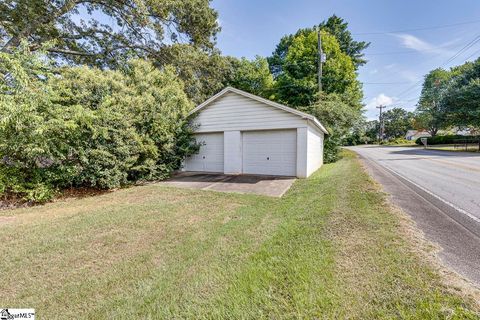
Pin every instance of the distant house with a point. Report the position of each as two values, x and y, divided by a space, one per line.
464 131
413 135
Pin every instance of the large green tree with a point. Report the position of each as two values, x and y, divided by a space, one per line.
461 101
339 119
203 73
104 31
397 121
337 27
251 75
294 66
429 114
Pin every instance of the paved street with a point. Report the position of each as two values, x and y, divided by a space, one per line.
441 192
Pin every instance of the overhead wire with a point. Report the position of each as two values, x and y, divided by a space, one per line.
473 54
475 40
469 45
407 51
418 29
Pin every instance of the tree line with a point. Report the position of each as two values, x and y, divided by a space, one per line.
449 102
450 98
97 93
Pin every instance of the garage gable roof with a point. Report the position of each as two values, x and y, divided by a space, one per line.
262 100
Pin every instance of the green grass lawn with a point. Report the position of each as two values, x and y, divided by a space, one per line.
329 249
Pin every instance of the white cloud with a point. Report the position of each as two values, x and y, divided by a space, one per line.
412 42
371 111
381 99
374 71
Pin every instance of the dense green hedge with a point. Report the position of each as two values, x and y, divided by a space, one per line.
448 139
88 127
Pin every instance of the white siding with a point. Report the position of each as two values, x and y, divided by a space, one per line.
314 149
232 152
236 112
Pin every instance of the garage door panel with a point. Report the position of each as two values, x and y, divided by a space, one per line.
210 156
271 152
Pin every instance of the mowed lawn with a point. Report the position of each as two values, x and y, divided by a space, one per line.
329 249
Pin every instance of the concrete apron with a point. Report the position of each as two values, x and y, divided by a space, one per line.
272 186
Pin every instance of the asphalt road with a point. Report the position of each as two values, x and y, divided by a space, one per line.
441 191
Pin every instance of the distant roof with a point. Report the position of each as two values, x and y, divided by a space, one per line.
260 99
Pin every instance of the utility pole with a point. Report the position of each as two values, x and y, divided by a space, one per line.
320 60
382 125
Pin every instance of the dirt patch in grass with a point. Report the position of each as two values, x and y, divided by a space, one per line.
6 220
9 202
13 201
80 193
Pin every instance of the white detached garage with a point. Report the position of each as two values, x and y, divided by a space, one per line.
242 133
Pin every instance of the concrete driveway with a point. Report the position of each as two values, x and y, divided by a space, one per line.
273 186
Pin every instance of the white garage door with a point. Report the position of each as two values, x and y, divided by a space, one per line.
270 152
210 157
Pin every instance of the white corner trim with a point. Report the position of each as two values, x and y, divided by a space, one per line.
262 100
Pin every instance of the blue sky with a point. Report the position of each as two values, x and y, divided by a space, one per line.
397 60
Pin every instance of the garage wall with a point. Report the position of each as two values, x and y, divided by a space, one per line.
233 112
302 150
314 149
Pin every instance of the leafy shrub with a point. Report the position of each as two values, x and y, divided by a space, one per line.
339 117
448 139
331 149
82 126
396 141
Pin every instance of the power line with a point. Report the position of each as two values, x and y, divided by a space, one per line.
473 54
407 51
408 100
418 29
465 48
385 83
394 52
456 55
